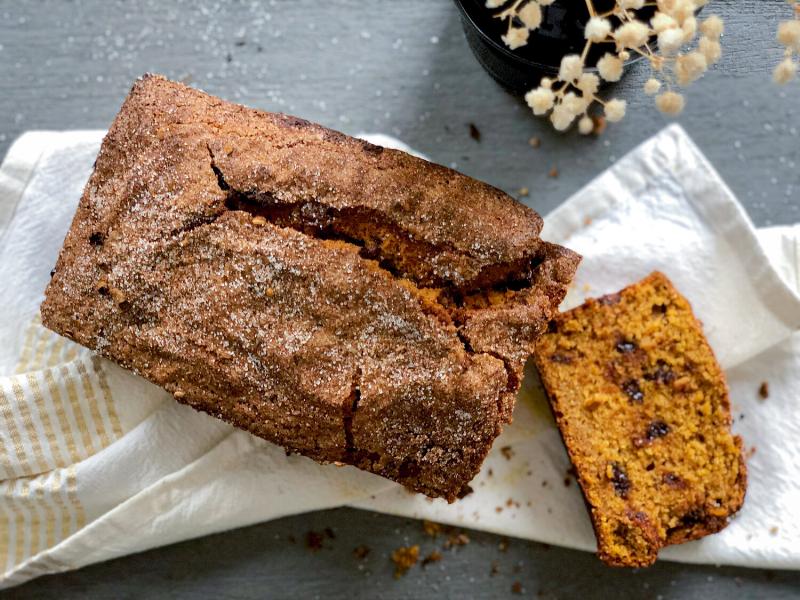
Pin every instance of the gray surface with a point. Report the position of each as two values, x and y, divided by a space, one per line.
401 67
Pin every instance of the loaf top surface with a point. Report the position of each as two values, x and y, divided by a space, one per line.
340 299
286 161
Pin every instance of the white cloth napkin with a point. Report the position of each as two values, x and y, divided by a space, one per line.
97 463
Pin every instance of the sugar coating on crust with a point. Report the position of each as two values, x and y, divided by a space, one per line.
643 408
349 302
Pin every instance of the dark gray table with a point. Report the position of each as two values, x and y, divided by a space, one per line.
400 67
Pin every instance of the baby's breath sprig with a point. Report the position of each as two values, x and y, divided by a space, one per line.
523 16
686 48
789 37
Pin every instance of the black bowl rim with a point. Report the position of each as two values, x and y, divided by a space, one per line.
516 58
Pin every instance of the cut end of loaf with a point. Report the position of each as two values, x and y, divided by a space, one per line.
643 408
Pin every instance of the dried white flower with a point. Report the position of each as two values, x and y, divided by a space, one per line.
670 40
690 67
785 71
571 67
540 100
585 125
516 37
651 86
610 67
712 27
615 110
689 29
661 22
562 117
574 103
789 34
588 83
632 34
597 29
682 10
531 15
711 49
670 103
522 16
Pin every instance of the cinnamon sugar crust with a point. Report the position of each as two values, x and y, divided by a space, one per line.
349 302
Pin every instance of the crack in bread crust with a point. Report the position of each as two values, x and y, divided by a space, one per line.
507 284
303 338
385 240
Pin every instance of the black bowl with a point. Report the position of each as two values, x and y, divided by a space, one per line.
560 33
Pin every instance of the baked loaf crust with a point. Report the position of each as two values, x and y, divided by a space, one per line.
643 409
351 303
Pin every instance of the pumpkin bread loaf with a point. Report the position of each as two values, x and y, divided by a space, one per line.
349 302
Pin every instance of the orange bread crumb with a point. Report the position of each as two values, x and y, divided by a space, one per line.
643 409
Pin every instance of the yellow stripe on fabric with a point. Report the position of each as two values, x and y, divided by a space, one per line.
61 416
34 528
23 532
41 347
36 516
72 352
99 367
47 424
27 349
94 409
41 514
55 351
53 511
5 461
72 496
6 517
10 426
77 413
24 408
57 491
